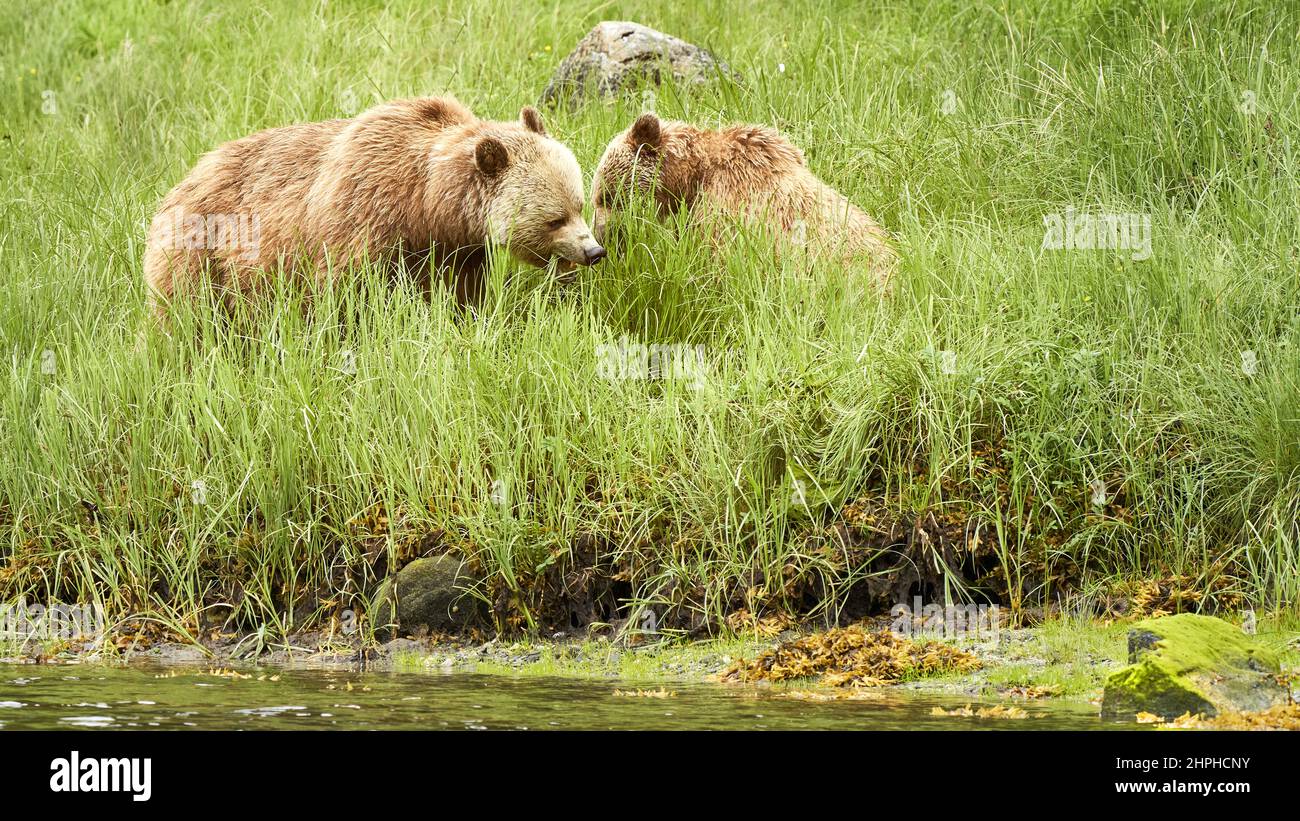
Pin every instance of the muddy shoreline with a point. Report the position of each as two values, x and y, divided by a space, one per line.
561 655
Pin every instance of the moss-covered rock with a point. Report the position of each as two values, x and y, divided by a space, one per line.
1193 664
616 57
428 595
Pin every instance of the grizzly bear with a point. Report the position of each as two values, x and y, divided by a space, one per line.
422 182
749 173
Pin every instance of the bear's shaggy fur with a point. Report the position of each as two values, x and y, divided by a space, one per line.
420 181
748 172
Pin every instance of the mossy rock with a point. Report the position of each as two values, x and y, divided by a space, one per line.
1193 664
616 57
428 595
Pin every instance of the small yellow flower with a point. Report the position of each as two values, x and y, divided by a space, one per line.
546 48
33 72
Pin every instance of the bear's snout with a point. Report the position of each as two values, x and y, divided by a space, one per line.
576 245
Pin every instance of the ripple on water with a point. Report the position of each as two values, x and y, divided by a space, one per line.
87 721
267 712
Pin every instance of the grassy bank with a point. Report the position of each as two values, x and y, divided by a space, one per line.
1015 423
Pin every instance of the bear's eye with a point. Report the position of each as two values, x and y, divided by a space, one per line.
557 224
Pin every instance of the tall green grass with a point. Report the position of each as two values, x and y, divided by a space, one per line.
999 384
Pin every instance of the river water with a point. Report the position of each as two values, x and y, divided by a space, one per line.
126 697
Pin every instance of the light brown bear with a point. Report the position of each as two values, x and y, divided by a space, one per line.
748 173
422 181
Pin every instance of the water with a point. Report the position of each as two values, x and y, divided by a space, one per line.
127 697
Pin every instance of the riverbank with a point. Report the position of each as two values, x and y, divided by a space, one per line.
1060 661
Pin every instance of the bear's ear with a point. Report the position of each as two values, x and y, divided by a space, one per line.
490 156
532 120
645 132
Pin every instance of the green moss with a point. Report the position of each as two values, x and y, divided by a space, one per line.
1190 642
1074 680
690 661
1149 686
1189 664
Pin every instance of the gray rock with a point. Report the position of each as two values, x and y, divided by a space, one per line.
618 56
430 595
396 646
181 654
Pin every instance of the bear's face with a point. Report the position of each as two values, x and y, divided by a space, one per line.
634 164
536 197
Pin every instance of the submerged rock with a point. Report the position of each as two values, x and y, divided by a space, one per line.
1193 664
430 595
618 56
